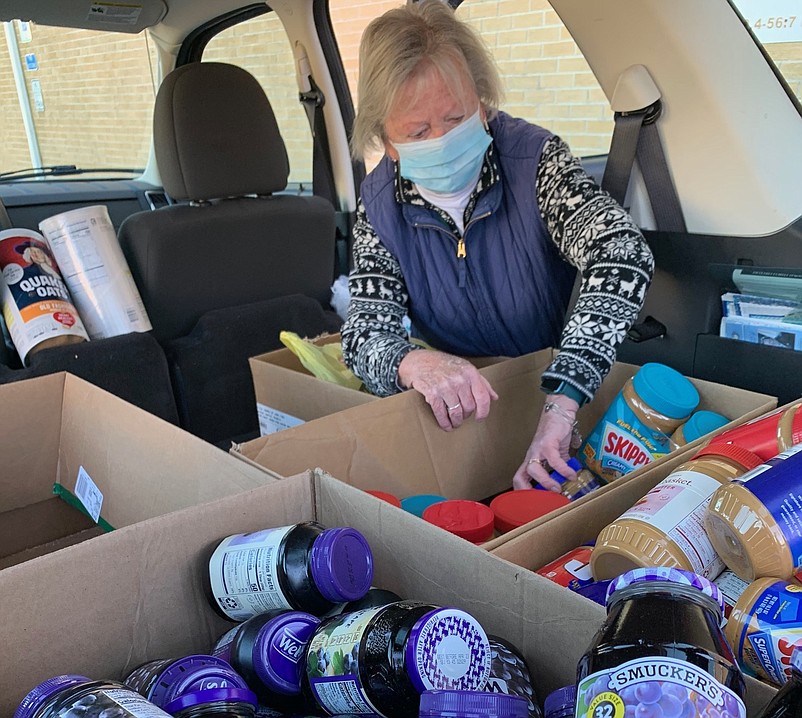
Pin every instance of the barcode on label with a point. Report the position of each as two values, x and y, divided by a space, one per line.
87 492
133 315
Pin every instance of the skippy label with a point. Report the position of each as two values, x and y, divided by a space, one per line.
676 506
333 664
243 572
655 686
621 443
767 648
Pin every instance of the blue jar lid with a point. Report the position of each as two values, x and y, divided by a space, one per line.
701 423
560 700
418 503
471 704
210 696
45 691
193 673
665 390
447 649
672 575
279 652
342 564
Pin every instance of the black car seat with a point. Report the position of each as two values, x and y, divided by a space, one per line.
222 272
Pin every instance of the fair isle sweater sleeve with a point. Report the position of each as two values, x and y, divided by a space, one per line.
596 235
374 340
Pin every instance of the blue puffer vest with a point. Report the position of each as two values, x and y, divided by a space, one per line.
508 295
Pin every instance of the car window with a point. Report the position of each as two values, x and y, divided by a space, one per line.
777 25
89 96
546 79
260 46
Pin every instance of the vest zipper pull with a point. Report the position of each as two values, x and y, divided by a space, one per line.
461 253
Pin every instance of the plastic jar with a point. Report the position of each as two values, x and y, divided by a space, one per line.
637 426
302 567
571 570
379 661
560 703
471 704
75 695
666 527
698 425
418 503
662 625
787 702
764 627
467 519
584 482
754 523
269 652
768 435
163 681
509 674
517 508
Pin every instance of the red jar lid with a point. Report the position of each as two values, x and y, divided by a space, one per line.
384 496
516 508
744 457
468 519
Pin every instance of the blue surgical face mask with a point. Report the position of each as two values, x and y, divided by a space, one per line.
449 162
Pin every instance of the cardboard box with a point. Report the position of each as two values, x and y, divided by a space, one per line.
288 395
538 546
64 438
396 446
103 607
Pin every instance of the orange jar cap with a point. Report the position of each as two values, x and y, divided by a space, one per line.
516 508
468 519
748 459
384 496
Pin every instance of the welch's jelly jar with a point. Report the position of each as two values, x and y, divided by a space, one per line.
304 567
378 661
71 695
269 652
660 652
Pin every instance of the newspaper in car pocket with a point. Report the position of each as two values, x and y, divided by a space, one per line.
750 306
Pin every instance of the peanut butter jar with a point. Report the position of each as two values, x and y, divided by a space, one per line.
755 524
665 528
636 429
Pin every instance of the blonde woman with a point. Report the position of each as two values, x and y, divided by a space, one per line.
474 224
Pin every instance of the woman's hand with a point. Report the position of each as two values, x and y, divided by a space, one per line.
452 386
549 446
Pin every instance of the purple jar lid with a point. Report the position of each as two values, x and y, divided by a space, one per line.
472 704
672 575
559 700
447 649
45 691
193 673
279 652
211 695
342 564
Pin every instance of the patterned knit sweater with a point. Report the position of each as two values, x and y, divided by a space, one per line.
591 231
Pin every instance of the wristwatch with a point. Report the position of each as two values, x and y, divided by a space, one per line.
554 386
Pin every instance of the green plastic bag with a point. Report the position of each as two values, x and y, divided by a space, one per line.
325 362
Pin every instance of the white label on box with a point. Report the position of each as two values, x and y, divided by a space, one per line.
272 420
87 492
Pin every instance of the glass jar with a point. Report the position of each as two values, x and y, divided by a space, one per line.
660 646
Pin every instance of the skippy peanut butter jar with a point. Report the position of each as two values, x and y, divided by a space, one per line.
755 523
637 426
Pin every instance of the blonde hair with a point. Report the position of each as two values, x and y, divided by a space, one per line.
401 42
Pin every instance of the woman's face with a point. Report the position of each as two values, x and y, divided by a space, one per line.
427 107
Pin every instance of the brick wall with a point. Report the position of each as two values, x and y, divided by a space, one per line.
98 92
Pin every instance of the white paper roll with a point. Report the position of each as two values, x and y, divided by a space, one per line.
85 246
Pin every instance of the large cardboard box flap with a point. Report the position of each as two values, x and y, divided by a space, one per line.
75 451
103 607
395 445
